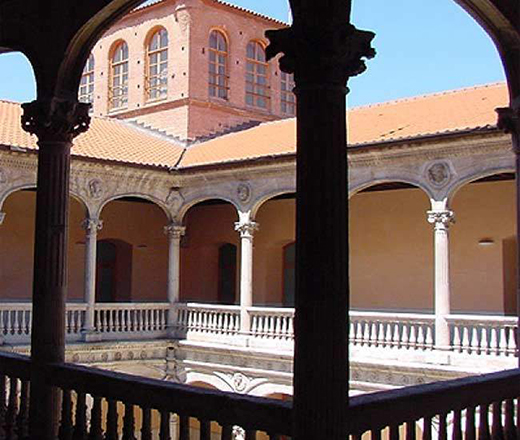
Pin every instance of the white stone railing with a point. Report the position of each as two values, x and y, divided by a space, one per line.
483 334
272 323
397 330
131 320
16 321
207 319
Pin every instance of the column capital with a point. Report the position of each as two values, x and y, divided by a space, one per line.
174 230
441 219
246 228
321 55
55 119
2 217
92 225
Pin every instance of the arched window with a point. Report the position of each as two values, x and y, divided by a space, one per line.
227 273
157 67
218 77
86 86
113 271
289 274
287 99
257 80
118 89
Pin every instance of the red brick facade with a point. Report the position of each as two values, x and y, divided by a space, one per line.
187 111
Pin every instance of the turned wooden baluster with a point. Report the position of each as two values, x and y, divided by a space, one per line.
457 425
3 396
184 427
410 430
96 433
112 427
66 429
129 423
510 431
80 427
12 409
443 427
164 433
227 433
427 428
483 427
497 432
205 430
22 421
470 424
146 427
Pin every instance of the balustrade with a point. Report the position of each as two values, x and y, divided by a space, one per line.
100 404
209 319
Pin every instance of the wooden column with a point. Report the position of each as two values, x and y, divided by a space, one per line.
56 122
323 51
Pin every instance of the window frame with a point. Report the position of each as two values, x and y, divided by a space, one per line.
287 85
216 75
255 85
148 77
87 88
123 97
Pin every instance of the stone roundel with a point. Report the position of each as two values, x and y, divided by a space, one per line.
438 174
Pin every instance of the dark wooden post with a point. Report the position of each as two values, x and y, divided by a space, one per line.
322 50
56 122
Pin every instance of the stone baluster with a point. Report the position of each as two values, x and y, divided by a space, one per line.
441 220
174 233
246 227
91 226
323 50
55 122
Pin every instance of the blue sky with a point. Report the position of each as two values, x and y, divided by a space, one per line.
423 46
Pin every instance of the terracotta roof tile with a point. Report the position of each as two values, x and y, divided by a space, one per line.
106 139
459 110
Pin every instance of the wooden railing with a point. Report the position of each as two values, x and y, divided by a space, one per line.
481 407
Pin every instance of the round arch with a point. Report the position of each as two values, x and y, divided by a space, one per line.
207 380
259 202
418 184
151 32
269 389
145 197
196 201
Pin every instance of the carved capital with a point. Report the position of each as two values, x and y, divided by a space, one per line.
92 225
2 217
246 228
55 120
321 55
441 219
173 230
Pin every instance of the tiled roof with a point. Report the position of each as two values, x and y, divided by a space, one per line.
119 141
106 139
150 3
441 113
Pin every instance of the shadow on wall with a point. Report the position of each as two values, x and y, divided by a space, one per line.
509 258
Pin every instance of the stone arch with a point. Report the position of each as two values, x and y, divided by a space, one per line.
260 201
145 197
269 389
418 183
207 380
195 201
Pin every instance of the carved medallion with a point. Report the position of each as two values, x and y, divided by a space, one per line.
240 382
438 174
95 188
243 192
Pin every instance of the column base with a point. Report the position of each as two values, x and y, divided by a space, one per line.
91 336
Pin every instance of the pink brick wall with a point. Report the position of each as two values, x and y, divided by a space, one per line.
188 111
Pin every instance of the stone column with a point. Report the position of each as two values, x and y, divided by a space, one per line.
55 122
322 50
246 227
91 226
174 233
441 221
509 121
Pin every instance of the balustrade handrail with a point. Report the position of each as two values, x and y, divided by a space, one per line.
482 319
203 306
131 306
392 408
271 310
